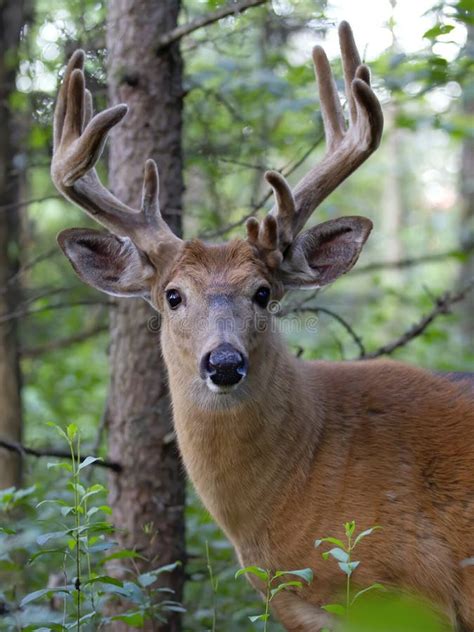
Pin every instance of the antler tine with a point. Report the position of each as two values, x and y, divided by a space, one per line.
346 149
76 61
350 63
331 110
79 139
284 210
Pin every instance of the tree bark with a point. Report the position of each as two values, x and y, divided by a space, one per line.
148 497
467 199
12 19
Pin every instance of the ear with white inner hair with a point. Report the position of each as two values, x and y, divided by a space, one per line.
111 264
321 254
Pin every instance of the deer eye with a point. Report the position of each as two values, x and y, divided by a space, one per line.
262 296
174 298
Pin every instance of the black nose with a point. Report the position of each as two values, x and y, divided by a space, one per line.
224 365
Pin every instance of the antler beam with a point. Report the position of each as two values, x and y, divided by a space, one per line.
78 141
346 148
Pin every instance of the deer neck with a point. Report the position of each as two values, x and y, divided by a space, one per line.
240 457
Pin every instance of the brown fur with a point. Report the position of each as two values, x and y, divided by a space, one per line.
305 446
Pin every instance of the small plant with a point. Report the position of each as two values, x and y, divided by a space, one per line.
272 588
214 586
343 554
80 547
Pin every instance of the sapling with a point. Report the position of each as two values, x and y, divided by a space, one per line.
272 588
342 553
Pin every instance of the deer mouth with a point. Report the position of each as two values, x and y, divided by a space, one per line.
221 389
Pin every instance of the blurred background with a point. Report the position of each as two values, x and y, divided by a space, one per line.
250 104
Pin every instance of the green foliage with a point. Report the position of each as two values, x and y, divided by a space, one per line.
374 608
250 106
272 587
75 554
342 553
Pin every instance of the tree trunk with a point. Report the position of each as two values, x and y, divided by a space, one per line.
467 199
148 497
12 19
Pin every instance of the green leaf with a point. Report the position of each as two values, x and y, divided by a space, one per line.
71 430
329 541
335 608
304 573
364 534
104 579
338 554
65 511
259 617
62 465
349 528
366 590
135 619
38 594
45 537
88 461
284 586
91 491
42 627
261 573
437 30
121 555
348 567
98 547
38 554
61 503
146 579
7 531
58 429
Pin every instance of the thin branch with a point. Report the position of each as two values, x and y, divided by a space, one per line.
14 205
31 312
324 310
234 8
257 206
14 446
61 343
442 307
412 261
30 264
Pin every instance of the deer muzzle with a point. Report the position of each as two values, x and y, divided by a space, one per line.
224 367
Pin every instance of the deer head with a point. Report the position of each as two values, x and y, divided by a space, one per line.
213 298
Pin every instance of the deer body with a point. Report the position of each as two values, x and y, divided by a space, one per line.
283 451
312 444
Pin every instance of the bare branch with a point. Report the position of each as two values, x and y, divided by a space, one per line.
256 207
324 310
410 262
14 446
61 343
30 264
442 306
31 312
234 8
15 205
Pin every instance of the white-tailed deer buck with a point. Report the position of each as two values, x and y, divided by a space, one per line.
283 451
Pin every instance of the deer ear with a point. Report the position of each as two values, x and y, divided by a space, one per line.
323 253
108 263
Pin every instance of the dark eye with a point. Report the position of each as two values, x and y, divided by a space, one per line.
174 298
262 296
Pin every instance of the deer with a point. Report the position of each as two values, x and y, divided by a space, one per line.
282 450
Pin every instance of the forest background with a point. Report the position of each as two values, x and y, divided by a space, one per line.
222 91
